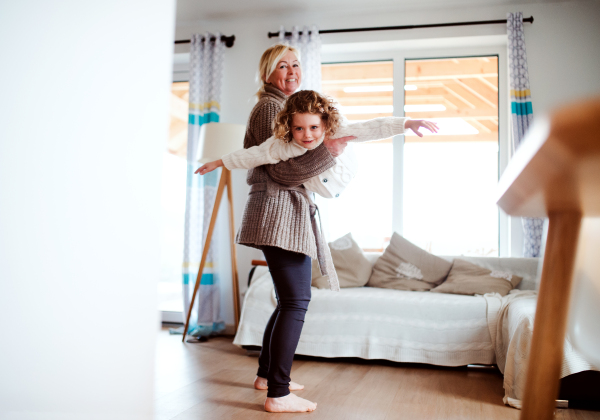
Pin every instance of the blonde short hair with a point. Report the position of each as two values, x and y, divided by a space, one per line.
269 61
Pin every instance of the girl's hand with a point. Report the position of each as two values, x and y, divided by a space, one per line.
414 125
209 167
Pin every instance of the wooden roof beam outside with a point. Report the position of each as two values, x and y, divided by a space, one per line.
453 92
489 84
481 137
448 77
480 126
465 113
386 80
434 68
491 100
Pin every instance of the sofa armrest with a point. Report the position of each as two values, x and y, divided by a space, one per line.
255 263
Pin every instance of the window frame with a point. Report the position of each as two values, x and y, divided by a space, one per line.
510 234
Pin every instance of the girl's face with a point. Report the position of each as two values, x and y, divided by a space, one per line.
307 129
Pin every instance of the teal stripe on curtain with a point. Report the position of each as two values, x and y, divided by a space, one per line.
196 119
206 278
521 108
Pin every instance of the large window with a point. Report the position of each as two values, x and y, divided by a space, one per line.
449 179
364 91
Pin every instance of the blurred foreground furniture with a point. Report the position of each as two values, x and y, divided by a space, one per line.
556 174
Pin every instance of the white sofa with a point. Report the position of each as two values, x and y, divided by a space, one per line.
374 323
420 327
512 319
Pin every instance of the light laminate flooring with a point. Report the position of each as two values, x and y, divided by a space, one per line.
213 380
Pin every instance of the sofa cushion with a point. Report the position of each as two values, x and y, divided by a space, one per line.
405 266
466 278
352 266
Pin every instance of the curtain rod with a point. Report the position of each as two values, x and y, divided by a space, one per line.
228 40
389 28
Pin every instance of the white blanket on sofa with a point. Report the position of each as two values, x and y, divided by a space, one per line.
511 332
372 323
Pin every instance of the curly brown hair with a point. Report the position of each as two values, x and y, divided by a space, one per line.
306 102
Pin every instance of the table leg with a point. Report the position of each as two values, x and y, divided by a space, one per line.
545 357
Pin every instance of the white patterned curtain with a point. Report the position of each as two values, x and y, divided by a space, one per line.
308 41
521 116
206 73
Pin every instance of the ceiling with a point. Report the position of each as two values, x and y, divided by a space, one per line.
203 10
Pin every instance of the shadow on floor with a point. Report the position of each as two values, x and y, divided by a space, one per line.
218 381
239 404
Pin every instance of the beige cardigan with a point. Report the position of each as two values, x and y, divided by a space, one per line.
274 215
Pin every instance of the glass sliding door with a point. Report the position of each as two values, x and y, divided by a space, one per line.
364 90
450 178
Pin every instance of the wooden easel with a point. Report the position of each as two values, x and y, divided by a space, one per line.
225 181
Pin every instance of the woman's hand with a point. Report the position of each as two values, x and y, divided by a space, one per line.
209 167
414 125
336 146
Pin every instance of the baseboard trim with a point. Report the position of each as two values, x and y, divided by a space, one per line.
170 317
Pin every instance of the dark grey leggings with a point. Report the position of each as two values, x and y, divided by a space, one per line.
291 274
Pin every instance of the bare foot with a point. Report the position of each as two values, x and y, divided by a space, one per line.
261 383
291 403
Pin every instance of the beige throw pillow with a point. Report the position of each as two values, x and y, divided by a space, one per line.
352 267
405 266
470 279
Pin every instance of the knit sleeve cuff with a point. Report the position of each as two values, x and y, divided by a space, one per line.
228 162
398 125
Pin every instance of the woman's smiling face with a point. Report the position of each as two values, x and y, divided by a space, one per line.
307 129
287 74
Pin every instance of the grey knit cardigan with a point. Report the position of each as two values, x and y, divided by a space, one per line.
279 217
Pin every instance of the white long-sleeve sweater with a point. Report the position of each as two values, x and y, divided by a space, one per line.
274 150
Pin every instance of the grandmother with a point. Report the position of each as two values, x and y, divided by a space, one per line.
279 220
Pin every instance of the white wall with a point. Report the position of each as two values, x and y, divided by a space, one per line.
563 46
80 163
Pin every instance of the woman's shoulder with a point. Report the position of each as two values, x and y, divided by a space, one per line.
265 110
267 103
270 98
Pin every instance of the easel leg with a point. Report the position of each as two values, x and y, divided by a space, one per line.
545 357
211 228
234 272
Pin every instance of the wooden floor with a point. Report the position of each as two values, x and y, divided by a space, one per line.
213 380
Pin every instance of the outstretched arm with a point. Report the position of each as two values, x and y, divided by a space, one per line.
373 129
272 151
383 128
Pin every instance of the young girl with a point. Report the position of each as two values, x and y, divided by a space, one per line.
305 120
